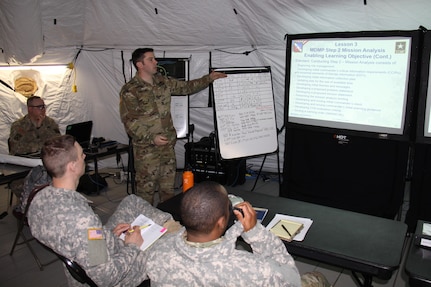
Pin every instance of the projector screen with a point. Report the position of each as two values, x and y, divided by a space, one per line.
362 82
424 107
177 68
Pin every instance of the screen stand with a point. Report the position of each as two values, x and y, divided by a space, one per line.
278 169
131 172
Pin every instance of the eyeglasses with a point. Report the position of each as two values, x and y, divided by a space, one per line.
40 107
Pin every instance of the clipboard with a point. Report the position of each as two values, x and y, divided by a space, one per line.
286 229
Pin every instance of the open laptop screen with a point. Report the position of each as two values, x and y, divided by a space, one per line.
81 132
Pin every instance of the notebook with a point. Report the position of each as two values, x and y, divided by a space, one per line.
81 132
286 229
305 222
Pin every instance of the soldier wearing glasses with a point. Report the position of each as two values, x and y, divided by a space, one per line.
28 134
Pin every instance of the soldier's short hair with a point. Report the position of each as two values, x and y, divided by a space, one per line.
138 54
202 205
57 152
31 99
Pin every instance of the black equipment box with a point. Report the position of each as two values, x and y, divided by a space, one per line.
208 165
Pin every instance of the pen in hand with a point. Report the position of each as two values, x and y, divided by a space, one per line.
285 229
144 226
140 227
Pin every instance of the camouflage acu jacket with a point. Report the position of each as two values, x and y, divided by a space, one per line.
63 220
26 138
177 263
145 108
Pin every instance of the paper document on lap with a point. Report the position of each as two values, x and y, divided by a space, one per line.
150 230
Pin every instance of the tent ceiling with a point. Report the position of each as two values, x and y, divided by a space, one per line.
112 23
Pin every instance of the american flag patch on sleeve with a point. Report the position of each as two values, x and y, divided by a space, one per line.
95 234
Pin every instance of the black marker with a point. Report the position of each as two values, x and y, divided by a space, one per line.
285 229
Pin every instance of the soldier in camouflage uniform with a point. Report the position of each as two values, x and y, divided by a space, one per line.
28 133
62 219
201 256
145 103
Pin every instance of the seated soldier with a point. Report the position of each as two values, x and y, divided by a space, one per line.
28 133
61 218
200 255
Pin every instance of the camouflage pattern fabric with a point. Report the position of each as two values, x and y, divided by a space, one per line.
26 138
155 170
16 186
314 279
63 220
38 176
177 263
145 113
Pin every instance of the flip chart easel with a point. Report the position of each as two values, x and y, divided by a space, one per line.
244 113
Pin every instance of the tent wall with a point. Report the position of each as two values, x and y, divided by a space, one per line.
99 78
228 33
21 24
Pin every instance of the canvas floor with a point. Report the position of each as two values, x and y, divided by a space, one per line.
21 269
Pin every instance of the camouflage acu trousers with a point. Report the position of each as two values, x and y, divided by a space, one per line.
155 171
130 207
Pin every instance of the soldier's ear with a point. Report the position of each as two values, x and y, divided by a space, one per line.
72 165
139 64
221 224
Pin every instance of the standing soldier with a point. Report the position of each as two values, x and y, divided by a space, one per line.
145 103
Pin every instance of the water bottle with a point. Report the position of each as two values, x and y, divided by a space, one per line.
188 180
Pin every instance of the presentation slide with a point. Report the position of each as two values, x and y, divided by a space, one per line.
349 83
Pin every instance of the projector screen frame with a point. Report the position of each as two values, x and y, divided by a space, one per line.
424 101
409 114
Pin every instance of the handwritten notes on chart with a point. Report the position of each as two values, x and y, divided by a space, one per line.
245 115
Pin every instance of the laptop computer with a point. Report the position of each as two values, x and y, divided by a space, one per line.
81 132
